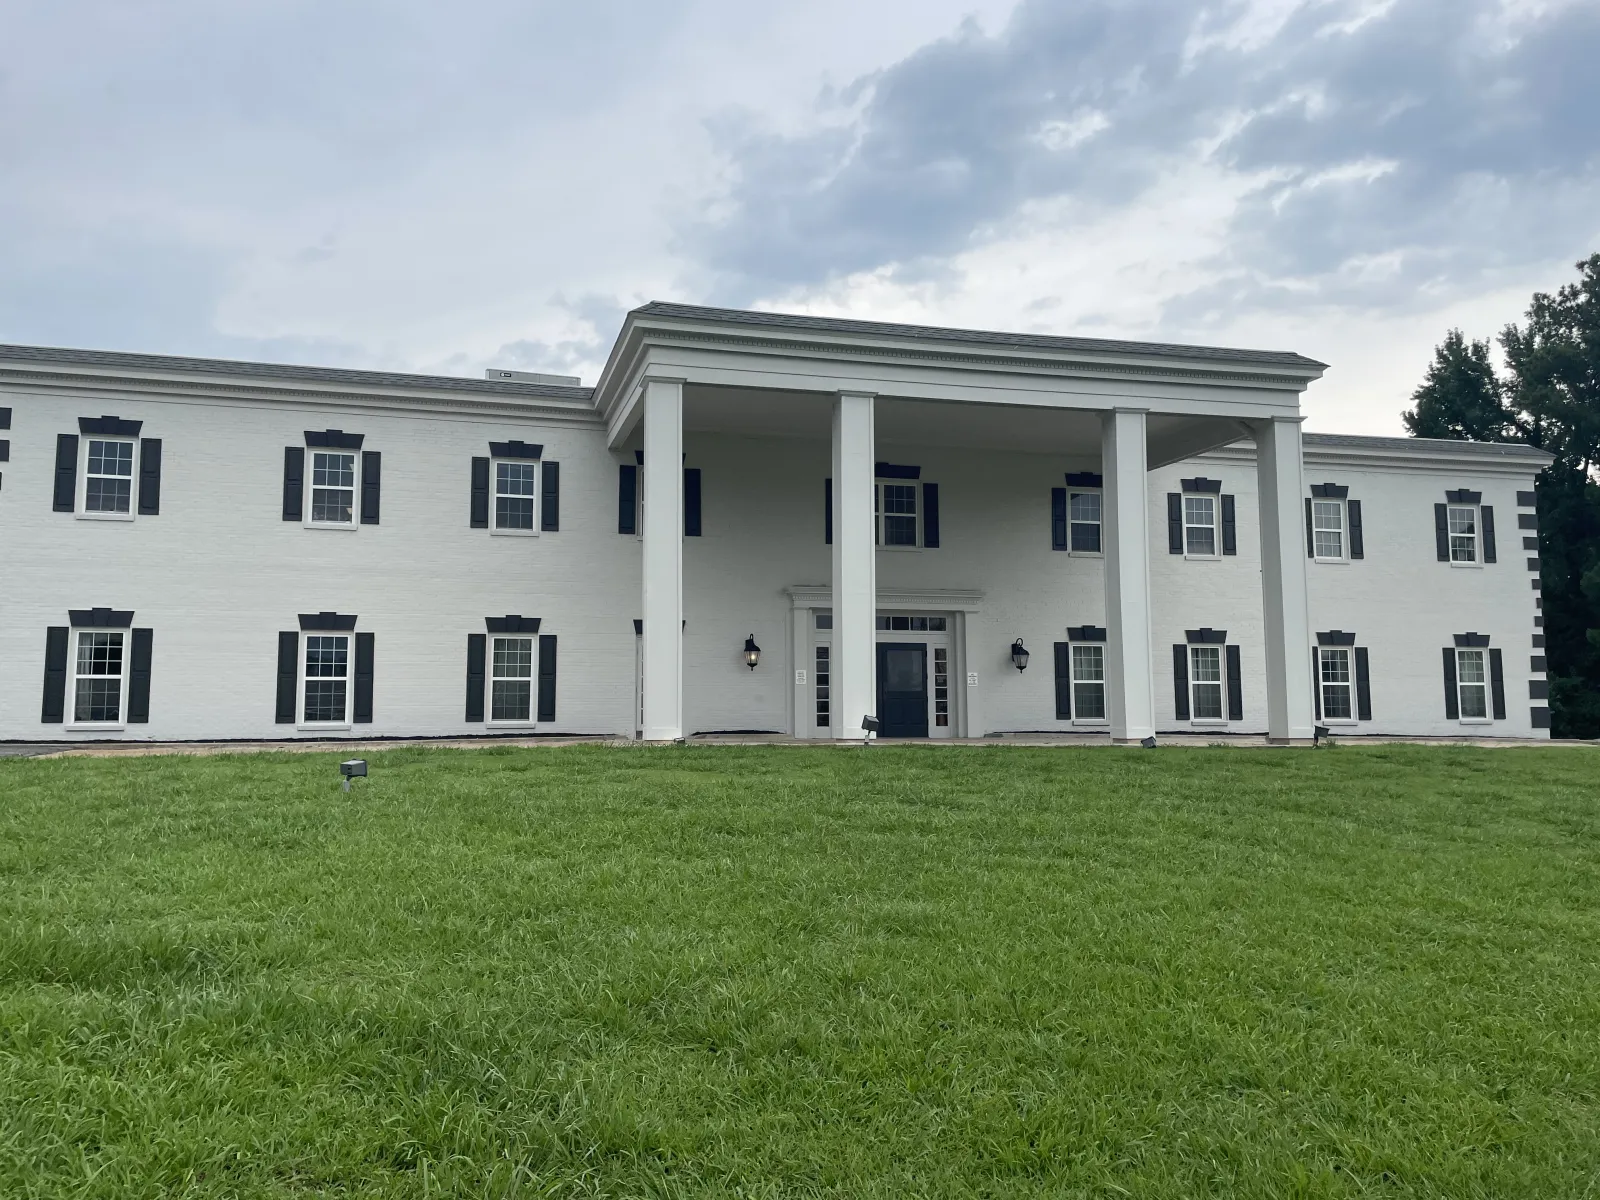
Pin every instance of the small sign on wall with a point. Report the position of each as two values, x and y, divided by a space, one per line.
799 679
972 679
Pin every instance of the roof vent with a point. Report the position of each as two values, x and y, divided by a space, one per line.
499 376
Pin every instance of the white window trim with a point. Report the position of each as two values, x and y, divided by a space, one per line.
1343 531
355 493
1487 685
81 507
538 501
1322 697
1477 536
1221 683
1215 526
878 514
349 681
531 721
71 721
1101 523
1073 681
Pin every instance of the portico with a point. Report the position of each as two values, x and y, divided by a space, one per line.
866 390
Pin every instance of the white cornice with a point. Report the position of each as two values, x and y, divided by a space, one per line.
820 595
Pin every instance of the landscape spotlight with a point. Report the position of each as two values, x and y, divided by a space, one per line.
752 652
1019 655
1318 732
1148 743
871 726
354 768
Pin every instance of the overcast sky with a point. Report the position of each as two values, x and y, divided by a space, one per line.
415 185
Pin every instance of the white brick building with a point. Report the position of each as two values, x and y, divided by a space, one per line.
198 549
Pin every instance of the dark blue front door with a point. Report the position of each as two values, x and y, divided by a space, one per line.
903 689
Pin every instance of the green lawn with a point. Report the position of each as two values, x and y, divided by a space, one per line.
770 972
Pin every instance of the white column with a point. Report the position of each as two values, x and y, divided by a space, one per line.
1279 476
663 560
801 623
853 680
1130 691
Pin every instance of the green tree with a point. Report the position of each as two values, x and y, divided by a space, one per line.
1549 397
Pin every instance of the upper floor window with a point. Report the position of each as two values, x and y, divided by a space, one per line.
895 505
333 487
1462 522
515 492
1083 512
1200 525
108 476
1328 530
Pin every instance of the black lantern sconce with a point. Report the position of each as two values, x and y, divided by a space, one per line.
752 652
1019 655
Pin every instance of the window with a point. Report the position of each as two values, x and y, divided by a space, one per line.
108 477
1200 525
1335 682
511 681
1327 529
909 624
1205 682
1472 682
333 488
97 676
824 620
1089 682
514 483
941 687
1463 526
896 507
327 659
824 658
1083 510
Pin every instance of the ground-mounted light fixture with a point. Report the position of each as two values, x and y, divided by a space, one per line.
752 652
355 768
1319 732
1148 743
869 726
1019 655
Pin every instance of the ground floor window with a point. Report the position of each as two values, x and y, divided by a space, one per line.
1472 684
1205 682
824 661
1335 682
511 684
327 677
1089 682
97 676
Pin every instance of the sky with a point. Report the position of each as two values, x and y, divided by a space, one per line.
417 186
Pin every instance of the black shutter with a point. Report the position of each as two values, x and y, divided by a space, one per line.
1488 533
364 656
479 517
288 674
1452 709
827 511
1316 681
1311 533
1180 682
150 477
139 677
54 709
1230 535
1358 548
477 644
691 502
1235 685
1441 531
371 483
930 516
1497 685
66 472
1174 523
547 677
550 500
1363 686
1063 680
294 480
1058 518
627 498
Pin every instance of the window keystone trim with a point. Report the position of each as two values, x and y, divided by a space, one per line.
327 622
100 618
511 624
1472 641
1202 484
1206 636
1330 491
109 426
334 439
515 449
1336 637
885 470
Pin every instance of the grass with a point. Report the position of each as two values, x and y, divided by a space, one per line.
754 972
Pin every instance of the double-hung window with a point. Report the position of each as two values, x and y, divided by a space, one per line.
895 505
515 495
511 682
1083 513
1462 522
98 677
1472 684
327 678
1205 683
1328 530
1089 681
1200 525
1333 663
333 488
108 476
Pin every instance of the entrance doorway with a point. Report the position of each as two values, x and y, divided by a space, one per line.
903 689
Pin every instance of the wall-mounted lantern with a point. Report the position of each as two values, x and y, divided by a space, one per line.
752 652
1019 655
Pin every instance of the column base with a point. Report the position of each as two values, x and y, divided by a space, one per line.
1306 742
1130 741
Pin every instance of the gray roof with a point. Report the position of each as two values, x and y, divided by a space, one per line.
1409 445
170 364
1013 341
